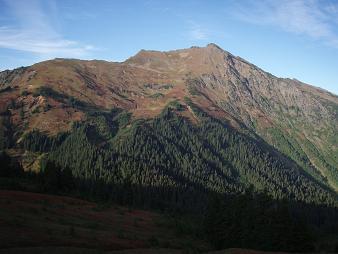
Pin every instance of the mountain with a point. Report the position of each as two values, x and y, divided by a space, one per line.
193 120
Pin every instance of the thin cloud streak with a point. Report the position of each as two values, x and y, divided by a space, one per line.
36 34
304 17
196 32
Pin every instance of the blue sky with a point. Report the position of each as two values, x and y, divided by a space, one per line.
290 38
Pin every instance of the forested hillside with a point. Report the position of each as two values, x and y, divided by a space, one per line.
247 195
299 120
177 131
169 152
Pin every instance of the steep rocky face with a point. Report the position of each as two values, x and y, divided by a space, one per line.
301 121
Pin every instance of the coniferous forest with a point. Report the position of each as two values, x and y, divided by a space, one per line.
245 192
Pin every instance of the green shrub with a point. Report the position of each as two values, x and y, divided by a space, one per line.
24 93
157 96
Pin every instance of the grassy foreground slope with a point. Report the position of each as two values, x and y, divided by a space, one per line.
40 223
41 220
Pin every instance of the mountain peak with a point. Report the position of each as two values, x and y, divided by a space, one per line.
152 53
50 95
196 59
214 46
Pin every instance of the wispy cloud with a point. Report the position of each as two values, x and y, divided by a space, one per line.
307 17
36 31
197 32
194 30
157 6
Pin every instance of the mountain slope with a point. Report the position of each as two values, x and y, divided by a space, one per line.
185 93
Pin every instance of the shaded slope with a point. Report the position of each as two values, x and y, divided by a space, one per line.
59 224
178 159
